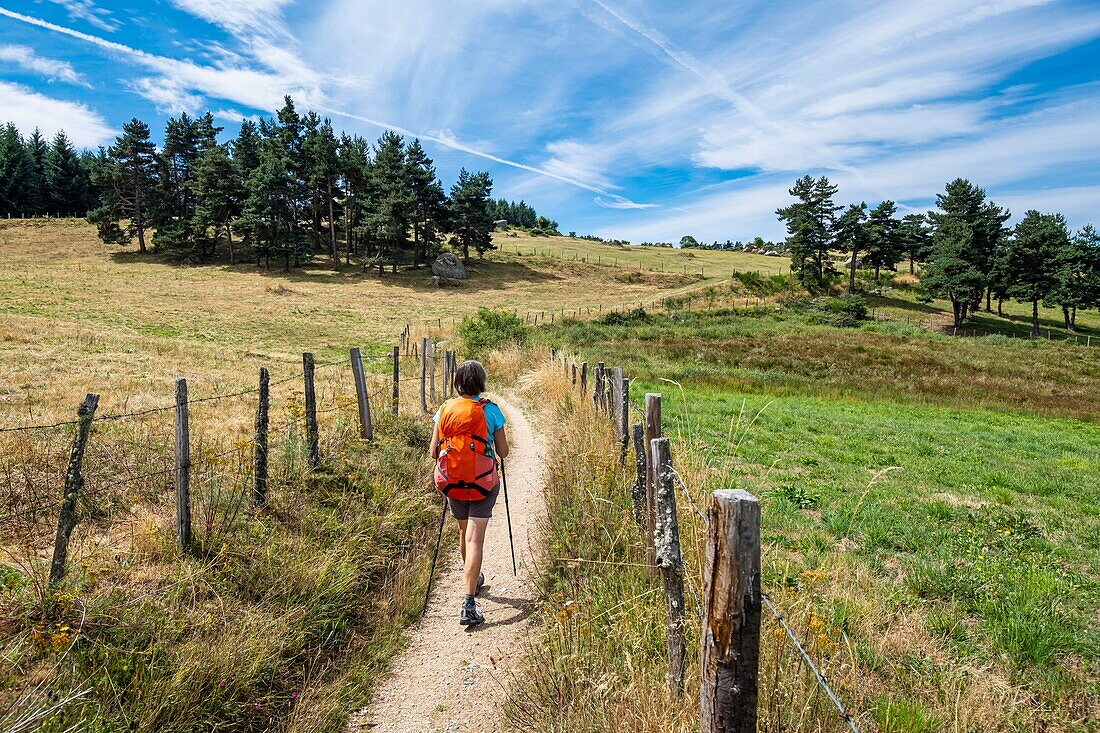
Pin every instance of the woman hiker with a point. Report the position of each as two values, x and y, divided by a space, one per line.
468 438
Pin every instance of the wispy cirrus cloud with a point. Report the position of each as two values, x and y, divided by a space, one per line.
89 12
50 69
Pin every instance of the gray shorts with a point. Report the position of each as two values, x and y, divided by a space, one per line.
481 509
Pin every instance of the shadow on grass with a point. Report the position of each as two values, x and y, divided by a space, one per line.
484 274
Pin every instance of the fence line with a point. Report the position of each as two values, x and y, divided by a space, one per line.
183 464
729 608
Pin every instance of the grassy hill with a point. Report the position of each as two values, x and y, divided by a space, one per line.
928 517
282 616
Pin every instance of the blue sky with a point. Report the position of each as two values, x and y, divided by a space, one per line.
641 120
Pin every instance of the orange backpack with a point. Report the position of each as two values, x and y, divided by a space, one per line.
465 470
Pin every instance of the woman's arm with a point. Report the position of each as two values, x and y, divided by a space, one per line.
500 443
435 442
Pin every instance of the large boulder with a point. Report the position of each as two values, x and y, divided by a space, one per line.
448 265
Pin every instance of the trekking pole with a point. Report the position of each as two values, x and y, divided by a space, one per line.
438 542
508 515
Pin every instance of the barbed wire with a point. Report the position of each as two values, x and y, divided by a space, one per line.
150 411
845 716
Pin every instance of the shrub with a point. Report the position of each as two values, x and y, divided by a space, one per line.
846 311
638 315
490 329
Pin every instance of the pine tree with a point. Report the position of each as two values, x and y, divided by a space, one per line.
471 217
1031 258
127 182
319 150
37 189
810 226
16 173
916 239
851 236
952 271
429 203
387 221
884 245
185 141
1076 275
246 159
966 202
65 181
354 161
218 192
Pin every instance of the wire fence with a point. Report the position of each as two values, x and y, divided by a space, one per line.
624 410
112 465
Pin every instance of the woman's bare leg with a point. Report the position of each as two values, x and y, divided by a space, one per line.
462 540
473 548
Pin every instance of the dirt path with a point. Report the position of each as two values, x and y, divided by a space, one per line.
449 678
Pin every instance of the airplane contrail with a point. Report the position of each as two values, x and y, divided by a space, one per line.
167 64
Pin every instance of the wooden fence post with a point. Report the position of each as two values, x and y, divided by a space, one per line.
671 564
624 419
584 377
574 383
431 370
731 622
615 396
259 459
183 467
312 433
652 431
366 428
74 482
396 379
424 375
598 392
637 491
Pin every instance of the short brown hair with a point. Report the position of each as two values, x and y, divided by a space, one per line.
471 378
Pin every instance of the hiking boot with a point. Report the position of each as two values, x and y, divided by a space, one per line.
480 582
470 616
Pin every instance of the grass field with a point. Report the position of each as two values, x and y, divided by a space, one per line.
930 506
930 501
713 264
77 315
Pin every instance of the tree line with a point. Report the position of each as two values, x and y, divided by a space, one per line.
287 188
524 216
967 251
40 177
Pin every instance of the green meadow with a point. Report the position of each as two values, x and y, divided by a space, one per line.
932 500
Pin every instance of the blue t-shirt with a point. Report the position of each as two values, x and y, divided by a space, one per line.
494 418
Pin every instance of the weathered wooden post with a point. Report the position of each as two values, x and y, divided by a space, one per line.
431 370
598 389
637 491
396 380
183 467
259 458
671 564
366 428
574 382
624 419
74 483
584 377
652 431
423 375
312 433
614 395
731 621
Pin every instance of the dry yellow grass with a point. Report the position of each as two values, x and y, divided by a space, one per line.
77 315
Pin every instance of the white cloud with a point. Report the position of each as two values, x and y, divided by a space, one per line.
241 17
89 12
51 69
29 109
